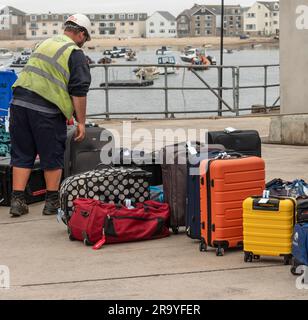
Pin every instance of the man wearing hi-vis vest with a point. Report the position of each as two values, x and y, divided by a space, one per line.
50 89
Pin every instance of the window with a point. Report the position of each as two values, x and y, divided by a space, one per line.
208 32
102 32
162 31
55 32
276 22
208 17
197 17
122 24
172 23
183 19
111 32
103 17
33 33
172 31
197 24
131 16
131 31
131 23
44 24
152 24
45 17
92 31
266 15
55 24
92 24
250 26
92 16
55 17
275 14
111 24
266 24
152 31
102 24
44 33
65 17
33 25
33 18
208 25
122 16
197 32
110 17
162 24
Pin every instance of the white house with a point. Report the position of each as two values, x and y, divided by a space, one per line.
262 19
161 24
12 24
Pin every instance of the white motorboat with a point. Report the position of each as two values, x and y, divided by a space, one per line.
163 51
169 60
189 55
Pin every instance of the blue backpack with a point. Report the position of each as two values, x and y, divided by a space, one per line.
300 245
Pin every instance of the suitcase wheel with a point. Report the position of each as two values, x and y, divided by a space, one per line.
220 252
248 257
175 230
287 260
203 246
70 236
256 257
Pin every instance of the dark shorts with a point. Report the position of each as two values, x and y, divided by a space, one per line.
37 133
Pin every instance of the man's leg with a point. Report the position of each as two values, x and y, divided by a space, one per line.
23 153
50 140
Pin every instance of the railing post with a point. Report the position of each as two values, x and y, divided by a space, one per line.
234 90
166 93
219 113
237 91
107 90
265 87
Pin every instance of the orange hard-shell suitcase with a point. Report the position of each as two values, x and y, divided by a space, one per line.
224 185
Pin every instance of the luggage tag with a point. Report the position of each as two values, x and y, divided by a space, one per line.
128 204
192 150
265 197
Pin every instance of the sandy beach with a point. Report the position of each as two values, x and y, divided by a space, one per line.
155 42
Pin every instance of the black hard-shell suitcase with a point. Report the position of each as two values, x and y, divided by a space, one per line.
246 142
138 158
35 190
107 184
193 215
83 156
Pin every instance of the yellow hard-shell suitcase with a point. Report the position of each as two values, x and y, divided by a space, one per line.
268 227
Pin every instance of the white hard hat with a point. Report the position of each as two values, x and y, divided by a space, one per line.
82 21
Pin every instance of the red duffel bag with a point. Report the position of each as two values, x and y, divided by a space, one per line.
96 223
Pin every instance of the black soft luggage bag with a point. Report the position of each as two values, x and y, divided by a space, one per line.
246 142
35 190
138 158
87 154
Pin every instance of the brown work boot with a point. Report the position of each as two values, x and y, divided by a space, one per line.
18 205
52 203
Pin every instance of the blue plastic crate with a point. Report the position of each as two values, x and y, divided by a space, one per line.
7 79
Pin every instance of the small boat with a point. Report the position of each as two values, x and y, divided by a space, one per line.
26 52
163 51
105 60
130 56
5 53
169 60
20 61
228 51
147 73
193 53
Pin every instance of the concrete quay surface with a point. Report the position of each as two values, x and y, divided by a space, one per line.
44 264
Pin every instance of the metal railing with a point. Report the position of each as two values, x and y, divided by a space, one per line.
236 89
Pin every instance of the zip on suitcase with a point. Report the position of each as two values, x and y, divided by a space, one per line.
268 227
109 184
224 185
247 142
86 155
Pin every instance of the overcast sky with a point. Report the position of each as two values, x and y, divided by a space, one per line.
93 6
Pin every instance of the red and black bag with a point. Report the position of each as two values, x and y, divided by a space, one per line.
96 223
